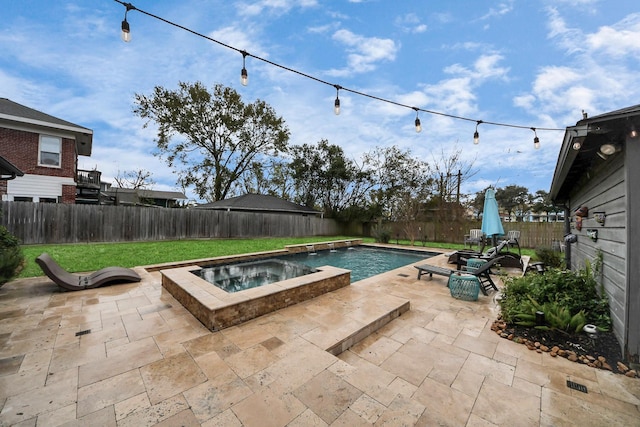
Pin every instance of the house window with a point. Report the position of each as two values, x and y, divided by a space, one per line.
50 147
22 199
48 200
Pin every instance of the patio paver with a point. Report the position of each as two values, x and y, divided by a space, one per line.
146 361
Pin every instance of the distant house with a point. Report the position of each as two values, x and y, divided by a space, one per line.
598 171
46 150
260 203
141 197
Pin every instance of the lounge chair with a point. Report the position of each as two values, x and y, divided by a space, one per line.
74 282
482 273
512 260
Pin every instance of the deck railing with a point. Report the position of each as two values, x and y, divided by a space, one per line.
88 178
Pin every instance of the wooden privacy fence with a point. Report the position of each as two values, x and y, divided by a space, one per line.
532 234
47 223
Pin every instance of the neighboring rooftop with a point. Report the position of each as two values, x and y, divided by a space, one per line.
134 196
13 113
260 203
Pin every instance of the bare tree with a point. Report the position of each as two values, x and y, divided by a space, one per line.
136 179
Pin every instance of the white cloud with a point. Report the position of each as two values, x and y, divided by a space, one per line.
485 67
502 9
600 72
363 52
410 23
273 6
621 39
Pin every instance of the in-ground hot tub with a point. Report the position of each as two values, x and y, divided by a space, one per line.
218 309
246 275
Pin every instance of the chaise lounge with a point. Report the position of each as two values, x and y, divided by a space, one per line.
511 260
482 273
74 282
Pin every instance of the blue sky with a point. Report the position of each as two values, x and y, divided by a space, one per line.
526 63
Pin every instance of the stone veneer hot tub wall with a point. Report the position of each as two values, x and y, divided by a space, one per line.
218 309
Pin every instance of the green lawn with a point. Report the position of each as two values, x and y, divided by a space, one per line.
93 256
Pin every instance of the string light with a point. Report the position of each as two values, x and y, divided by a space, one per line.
126 31
476 135
536 140
125 28
418 125
244 76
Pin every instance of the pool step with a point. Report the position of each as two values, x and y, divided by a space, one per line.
367 316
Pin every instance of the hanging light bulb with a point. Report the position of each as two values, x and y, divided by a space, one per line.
536 140
336 104
244 76
126 31
418 125
476 135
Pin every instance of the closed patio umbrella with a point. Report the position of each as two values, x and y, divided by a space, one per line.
491 223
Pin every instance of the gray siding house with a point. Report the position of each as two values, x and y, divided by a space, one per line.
598 172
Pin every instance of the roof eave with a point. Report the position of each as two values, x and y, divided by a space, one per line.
566 158
8 170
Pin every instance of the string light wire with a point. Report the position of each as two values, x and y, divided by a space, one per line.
244 53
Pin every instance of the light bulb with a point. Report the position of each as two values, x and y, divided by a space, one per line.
126 33
536 140
244 77
418 125
336 106
577 145
608 149
476 135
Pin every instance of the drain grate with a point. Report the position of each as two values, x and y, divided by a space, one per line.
403 275
576 386
85 332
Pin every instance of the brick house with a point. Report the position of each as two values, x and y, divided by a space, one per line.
46 150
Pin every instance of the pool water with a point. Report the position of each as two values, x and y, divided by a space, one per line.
363 261
247 275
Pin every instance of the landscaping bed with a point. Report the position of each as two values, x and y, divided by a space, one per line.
602 352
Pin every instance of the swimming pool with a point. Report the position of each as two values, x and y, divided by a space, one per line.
218 309
363 261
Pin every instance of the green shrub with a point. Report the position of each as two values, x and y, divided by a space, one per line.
381 234
11 258
556 316
563 293
550 258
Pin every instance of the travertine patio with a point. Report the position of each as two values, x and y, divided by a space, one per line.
131 355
